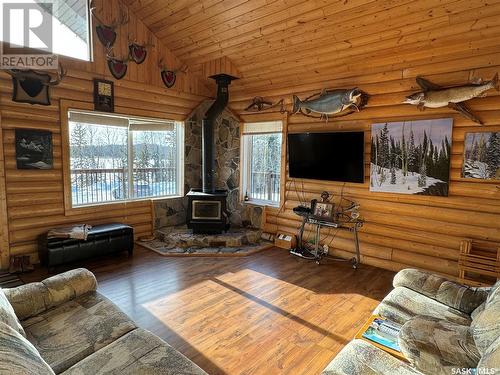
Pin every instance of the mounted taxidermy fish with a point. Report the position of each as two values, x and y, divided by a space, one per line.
328 103
260 104
435 96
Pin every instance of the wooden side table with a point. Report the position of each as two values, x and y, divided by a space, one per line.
392 352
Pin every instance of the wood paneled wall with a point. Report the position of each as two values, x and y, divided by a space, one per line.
287 47
34 198
400 230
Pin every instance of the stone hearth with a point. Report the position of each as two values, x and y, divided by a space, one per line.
180 240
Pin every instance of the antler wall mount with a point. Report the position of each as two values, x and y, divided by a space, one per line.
32 87
106 33
117 65
170 76
138 52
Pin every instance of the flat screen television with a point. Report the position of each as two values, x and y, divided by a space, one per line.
335 156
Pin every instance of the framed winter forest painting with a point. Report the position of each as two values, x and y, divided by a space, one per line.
482 156
411 157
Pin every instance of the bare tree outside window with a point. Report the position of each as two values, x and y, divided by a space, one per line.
263 180
114 163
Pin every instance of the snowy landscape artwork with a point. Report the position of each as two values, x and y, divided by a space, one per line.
33 149
411 157
482 156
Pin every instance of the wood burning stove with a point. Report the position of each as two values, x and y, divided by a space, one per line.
207 206
207 212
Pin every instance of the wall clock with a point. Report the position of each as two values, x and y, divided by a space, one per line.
104 95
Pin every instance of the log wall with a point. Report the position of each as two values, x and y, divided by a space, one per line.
400 230
32 201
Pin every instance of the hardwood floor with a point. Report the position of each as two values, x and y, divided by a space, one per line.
269 313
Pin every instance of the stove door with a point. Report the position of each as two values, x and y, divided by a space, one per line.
206 210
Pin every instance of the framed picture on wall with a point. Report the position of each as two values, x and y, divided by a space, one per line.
104 95
411 157
34 149
482 156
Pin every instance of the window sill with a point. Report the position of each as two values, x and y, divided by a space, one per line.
77 210
257 202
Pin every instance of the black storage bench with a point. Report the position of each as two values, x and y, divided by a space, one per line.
101 240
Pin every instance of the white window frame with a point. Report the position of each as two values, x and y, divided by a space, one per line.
257 128
88 26
179 126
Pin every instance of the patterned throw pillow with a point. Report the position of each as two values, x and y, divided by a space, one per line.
7 314
18 355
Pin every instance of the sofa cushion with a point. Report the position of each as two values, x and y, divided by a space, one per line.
137 352
18 355
7 314
361 358
436 346
486 324
477 310
461 297
402 304
490 358
72 331
33 298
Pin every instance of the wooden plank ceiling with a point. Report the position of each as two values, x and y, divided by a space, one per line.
278 44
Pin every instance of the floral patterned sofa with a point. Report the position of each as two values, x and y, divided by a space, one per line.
63 325
447 329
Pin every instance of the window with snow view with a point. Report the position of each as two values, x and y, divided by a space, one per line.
261 161
114 158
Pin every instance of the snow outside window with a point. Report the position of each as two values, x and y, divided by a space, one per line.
261 162
116 158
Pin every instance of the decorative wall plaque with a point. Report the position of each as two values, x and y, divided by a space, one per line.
104 95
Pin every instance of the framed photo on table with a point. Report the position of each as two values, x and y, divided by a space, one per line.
323 210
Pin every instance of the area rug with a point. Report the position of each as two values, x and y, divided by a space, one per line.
180 241
160 248
8 280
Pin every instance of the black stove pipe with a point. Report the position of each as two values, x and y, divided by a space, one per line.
208 126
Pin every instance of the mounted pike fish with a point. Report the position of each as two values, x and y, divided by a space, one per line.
435 96
331 103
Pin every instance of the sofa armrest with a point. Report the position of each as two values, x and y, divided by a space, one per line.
32 299
458 296
360 357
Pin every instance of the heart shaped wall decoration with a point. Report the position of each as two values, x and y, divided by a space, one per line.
168 77
106 35
118 68
137 52
30 87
